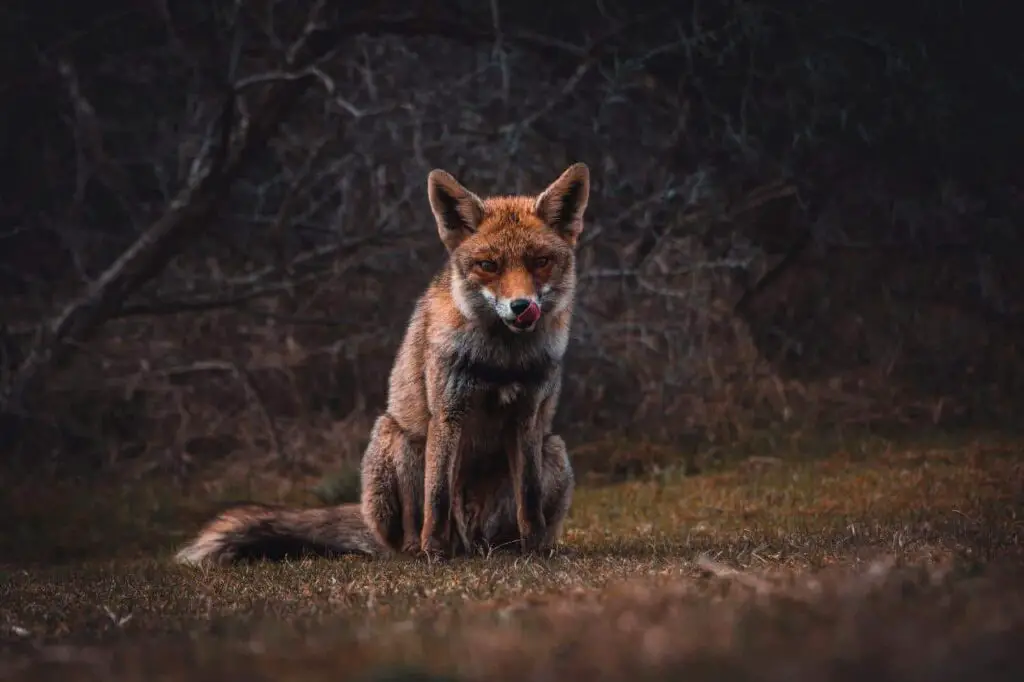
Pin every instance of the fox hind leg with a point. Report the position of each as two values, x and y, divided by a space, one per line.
499 525
392 486
557 486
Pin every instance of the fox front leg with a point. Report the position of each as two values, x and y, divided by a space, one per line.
525 460
442 440
457 506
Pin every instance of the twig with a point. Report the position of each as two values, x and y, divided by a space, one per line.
709 565
590 56
566 91
791 257
325 80
617 273
243 376
754 199
257 285
499 51
89 139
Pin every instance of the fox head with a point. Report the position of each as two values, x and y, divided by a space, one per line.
511 258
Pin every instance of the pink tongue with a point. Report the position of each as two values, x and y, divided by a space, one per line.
530 315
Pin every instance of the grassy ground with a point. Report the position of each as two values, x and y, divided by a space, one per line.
878 563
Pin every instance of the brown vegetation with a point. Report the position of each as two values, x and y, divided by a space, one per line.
785 233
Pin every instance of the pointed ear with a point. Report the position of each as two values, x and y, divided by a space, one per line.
562 204
457 211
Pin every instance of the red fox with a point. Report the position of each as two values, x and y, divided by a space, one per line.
465 439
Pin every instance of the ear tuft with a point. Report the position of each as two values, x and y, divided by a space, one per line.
457 211
563 203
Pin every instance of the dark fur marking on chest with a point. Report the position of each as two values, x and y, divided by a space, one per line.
532 373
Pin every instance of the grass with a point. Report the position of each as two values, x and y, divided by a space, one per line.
887 563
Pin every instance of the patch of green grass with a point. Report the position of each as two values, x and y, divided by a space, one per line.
339 487
730 574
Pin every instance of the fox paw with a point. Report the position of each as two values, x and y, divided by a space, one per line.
433 555
431 549
533 537
532 544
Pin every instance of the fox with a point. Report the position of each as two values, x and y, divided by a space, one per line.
462 458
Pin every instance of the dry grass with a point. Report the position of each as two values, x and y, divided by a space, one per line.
894 564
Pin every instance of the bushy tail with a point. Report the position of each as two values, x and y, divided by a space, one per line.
263 532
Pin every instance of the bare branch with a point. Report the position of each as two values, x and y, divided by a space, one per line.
187 213
499 51
617 273
90 140
554 102
264 283
281 75
243 376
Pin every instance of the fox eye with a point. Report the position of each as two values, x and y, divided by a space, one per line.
487 265
541 262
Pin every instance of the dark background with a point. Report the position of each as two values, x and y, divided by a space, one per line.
213 216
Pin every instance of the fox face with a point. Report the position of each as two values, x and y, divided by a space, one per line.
512 259
512 267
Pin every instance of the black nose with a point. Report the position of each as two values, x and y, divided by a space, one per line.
519 306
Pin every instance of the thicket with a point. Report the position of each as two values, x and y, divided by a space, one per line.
214 215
